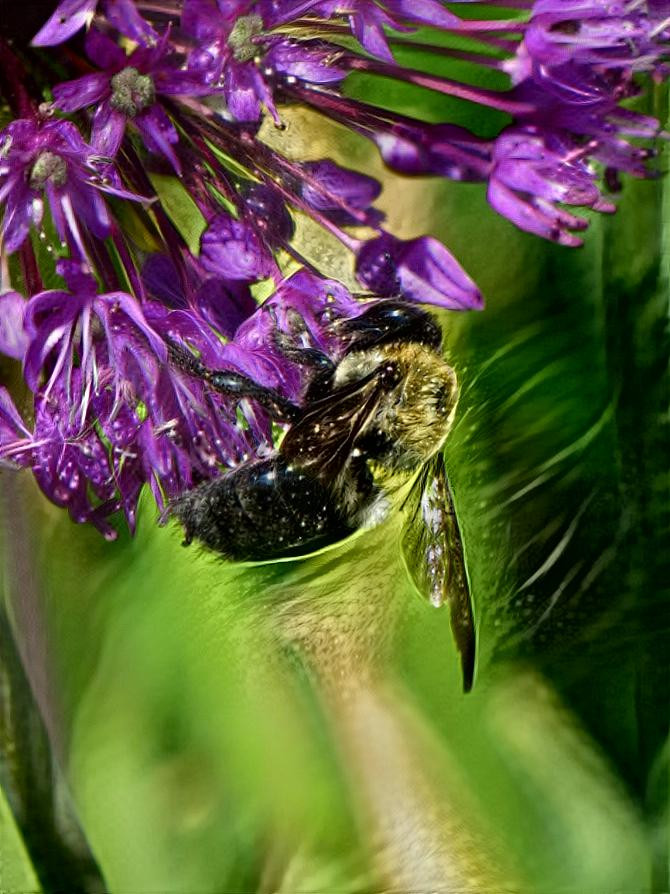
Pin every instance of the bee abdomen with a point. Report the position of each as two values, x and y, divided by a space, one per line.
266 510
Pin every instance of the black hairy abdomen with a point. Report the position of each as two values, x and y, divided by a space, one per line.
264 510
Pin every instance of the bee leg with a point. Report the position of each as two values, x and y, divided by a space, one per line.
232 384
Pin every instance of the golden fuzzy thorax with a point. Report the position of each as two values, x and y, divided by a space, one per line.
418 413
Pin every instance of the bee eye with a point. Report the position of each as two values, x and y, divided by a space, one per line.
389 375
444 396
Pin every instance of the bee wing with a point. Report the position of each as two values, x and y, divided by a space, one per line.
433 552
323 438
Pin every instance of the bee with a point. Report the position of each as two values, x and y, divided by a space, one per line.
368 424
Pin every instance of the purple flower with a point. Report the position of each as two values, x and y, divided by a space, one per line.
49 159
533 172
108 335
127 90
234 55
71 464
608 35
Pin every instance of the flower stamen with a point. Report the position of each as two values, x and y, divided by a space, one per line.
132 92
48 167
241 37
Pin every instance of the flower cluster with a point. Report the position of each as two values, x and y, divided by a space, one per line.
182 90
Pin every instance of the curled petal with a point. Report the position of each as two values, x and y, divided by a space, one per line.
12 427
421 269
529 215
367 25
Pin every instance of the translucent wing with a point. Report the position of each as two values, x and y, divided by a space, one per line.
433 552
323 437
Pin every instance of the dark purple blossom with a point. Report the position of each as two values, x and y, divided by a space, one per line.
127 91
234 55
71 464
533 174
49 160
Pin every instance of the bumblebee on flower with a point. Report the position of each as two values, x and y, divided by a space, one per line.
151 90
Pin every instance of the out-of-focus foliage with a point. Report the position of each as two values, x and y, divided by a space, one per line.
16 870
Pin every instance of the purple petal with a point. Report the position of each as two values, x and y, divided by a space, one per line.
230 248
429 273
123 15
11 423
68 17
22 207
159 134
421 269
13 336
50 318
265 207
105 52
239 87
201 19
368 28
91 208
429 12
73 95
122 302
528 216
108 128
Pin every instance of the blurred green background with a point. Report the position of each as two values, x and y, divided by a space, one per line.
300 726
